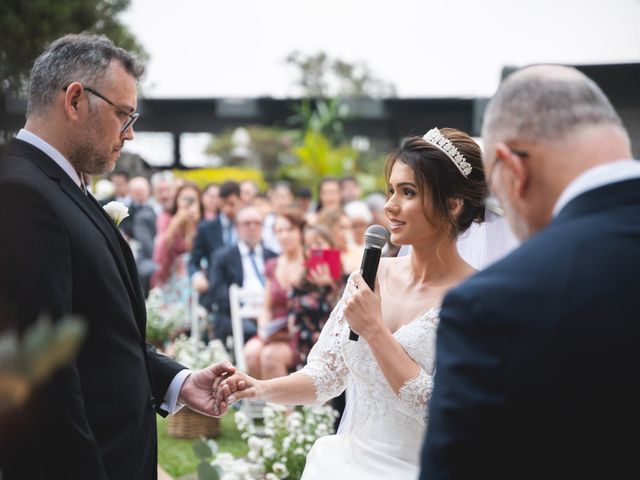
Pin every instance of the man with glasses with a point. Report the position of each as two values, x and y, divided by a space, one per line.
243 264
61 255
537 356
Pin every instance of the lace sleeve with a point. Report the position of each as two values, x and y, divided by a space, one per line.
414 395
325 363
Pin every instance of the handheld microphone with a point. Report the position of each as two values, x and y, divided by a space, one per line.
374 239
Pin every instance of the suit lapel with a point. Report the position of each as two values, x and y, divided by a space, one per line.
235 262
126 262
97 215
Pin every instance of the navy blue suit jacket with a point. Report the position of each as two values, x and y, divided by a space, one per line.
225 271
537 367
208 239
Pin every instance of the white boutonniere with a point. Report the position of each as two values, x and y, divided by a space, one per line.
117 211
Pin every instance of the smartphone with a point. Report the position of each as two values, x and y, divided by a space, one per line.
330 256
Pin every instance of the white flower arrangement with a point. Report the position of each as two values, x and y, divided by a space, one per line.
280 454
198 356
117 211
163 319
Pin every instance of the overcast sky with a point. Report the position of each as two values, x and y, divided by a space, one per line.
427 48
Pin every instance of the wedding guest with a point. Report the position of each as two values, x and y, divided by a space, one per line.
212 235
143 230
304 201
329 195
95 418
163 190
436 190
537 355
173 247
242 264
210 201
340 227
314 295
273 351
350 189
281 201
361 218
248 192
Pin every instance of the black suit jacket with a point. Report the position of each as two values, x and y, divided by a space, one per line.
225 271
61 254
537 356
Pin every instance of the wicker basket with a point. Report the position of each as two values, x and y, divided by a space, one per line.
189 424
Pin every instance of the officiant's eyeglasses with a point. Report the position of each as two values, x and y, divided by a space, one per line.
131 117
491 202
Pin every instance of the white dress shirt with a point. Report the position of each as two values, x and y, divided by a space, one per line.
250 279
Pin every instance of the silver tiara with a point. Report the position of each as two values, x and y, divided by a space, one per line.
435 138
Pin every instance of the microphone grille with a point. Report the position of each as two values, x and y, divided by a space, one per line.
375 236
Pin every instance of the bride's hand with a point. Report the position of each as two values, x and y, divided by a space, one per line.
363 311
238 386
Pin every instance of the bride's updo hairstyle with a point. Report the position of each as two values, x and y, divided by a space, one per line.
441 176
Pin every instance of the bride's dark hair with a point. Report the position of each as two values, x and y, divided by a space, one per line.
438 179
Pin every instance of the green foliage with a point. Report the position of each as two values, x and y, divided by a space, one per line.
317 159
27 362
26 27
204 176
204 450
176 455
324 117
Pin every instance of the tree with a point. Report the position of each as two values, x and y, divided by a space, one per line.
27 26
321 76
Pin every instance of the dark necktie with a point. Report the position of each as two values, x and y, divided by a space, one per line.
252 257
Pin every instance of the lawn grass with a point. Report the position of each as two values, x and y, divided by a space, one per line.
176 457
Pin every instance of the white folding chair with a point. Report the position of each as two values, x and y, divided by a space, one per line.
244 304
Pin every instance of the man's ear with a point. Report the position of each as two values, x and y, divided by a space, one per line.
71 99
516 172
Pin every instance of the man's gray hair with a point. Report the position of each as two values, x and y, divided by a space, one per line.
80 58
546 103
162 176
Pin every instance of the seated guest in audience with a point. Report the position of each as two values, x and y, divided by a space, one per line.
211 201
350 189
281 199
304 201
340 227
315 295
173 247
361 218
212 235
248 192
163 190
329 194
273 351
242 264
143 229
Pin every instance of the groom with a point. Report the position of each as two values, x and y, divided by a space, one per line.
537 364
61 254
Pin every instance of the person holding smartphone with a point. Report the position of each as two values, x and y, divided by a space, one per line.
172 247
313 298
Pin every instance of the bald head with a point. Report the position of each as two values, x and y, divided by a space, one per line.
139 190
546 103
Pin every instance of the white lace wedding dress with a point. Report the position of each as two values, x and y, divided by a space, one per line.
386 430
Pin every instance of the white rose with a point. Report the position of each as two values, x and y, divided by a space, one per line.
117 211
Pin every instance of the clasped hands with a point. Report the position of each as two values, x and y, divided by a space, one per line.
211 390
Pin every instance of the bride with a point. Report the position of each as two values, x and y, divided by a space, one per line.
436 190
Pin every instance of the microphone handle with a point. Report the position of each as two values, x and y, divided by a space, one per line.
368 270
